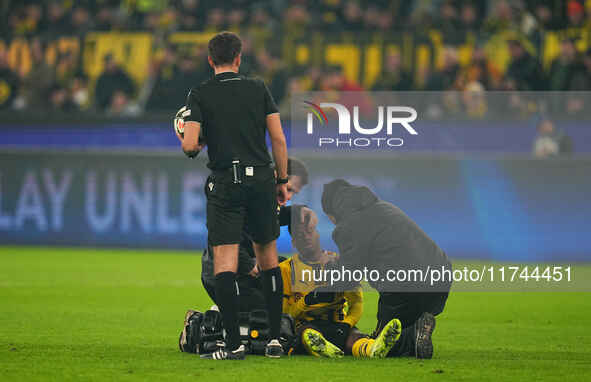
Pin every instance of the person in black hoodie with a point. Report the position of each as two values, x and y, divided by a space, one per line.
374 234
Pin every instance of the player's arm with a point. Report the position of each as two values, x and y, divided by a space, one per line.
192 120
355 302
279 148
304 214
278 143
190 142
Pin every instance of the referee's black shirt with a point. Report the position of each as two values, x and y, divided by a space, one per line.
233 112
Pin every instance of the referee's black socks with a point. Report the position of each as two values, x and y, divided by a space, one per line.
273 291
226 293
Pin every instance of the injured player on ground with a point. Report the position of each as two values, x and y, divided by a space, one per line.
325 321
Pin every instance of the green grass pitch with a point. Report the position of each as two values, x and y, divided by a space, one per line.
83 314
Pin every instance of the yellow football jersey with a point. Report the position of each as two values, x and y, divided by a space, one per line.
347 306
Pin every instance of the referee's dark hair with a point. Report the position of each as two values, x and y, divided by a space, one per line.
224 48
296 167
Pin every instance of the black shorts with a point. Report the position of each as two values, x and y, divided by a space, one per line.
230 205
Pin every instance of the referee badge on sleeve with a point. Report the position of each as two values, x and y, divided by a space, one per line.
210 186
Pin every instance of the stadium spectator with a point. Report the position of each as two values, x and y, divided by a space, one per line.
352 16
371 17
261 25
469 17
57 20
104 17
236 17
575 14
249 60
122 106
66 68
582 79
272 69
551 143
26 21
174 77
448 23
565 68
79 92
445 77
349 21
500 17
295 20
216 20
192 15
482 70
385 22
524 69
113 79
394 77
81 21
544 16
60 100
162 73
40 79
9 82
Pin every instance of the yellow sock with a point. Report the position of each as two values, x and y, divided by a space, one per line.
362 347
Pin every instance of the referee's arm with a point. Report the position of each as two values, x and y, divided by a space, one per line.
279 148
190 141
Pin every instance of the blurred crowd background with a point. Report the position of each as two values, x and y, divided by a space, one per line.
132 57
88 90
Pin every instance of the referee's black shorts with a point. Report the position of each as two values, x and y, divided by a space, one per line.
230 205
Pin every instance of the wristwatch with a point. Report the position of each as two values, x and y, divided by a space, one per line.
282 180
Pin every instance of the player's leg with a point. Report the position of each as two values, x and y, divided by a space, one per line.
432 304
407 307
359 344
207 273
226 291
315 339
273 292
225 218
362 346
386 339
263 225
424 328
317 345
415 338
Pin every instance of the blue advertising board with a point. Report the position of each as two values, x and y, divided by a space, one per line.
497 209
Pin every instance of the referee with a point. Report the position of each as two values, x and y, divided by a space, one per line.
232 115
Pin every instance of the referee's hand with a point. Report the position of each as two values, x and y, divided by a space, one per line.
282 194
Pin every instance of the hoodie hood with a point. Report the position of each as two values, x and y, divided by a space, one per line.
341 199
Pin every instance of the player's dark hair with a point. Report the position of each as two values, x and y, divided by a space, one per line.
224 48
296 167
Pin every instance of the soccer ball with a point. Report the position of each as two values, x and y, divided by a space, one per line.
179 122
